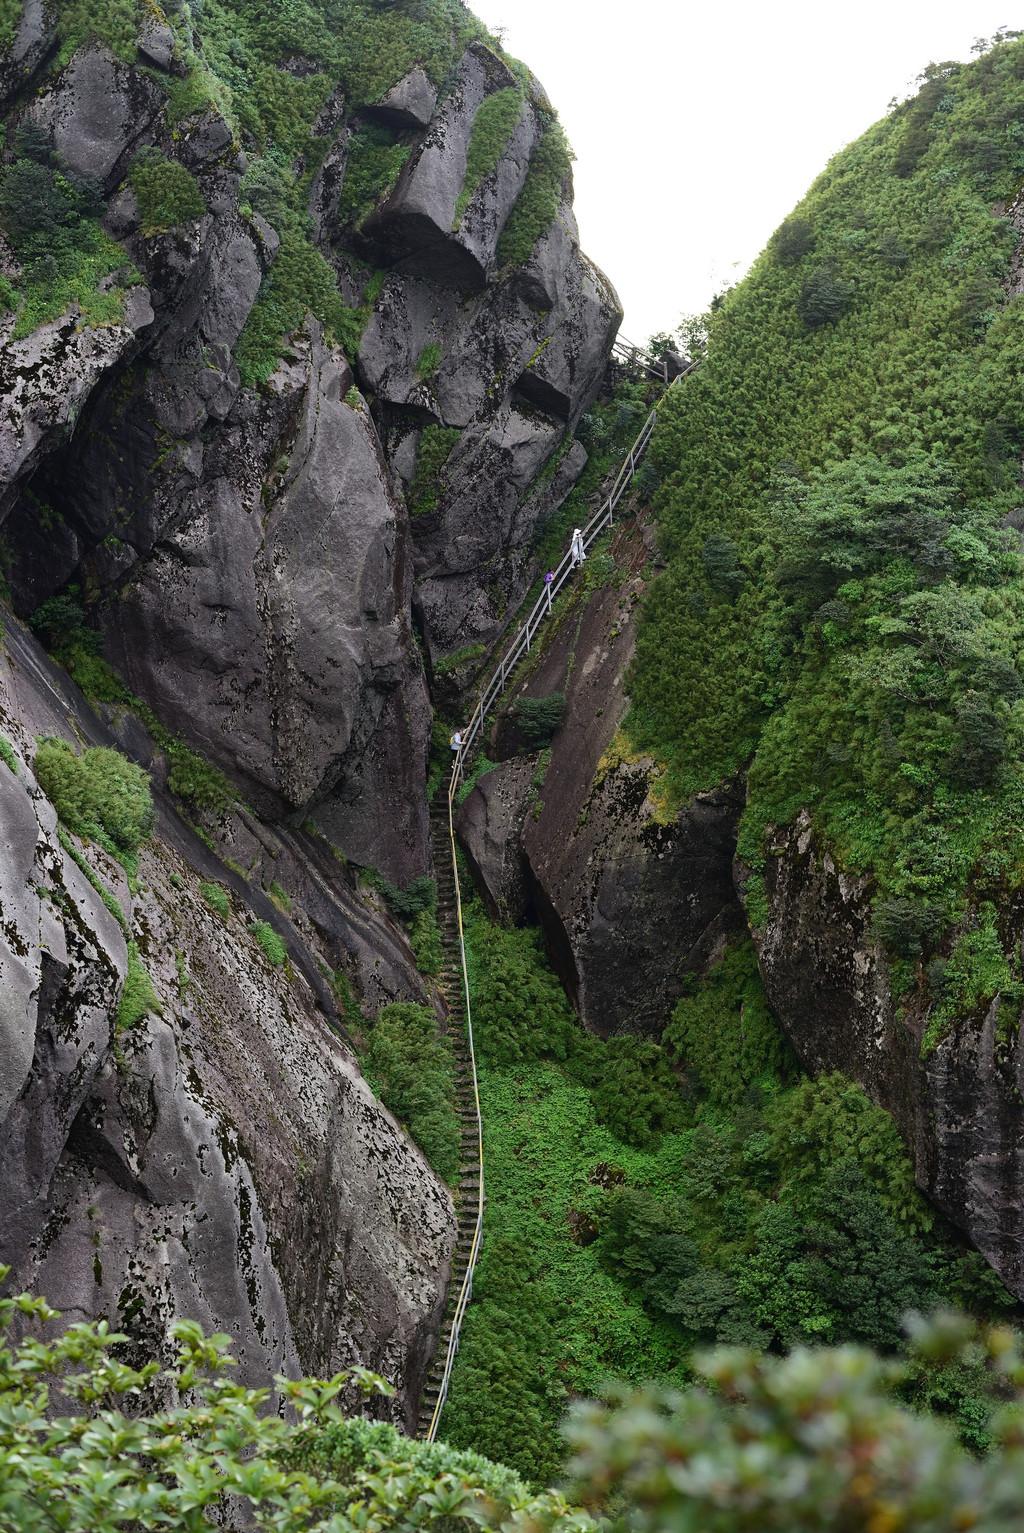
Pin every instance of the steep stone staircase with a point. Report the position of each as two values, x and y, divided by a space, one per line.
468 1197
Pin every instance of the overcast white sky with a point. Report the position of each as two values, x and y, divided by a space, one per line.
697 126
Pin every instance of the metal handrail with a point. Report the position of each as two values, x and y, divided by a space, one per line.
640 356
466 1291
519 646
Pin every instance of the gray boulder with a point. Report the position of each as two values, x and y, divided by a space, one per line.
96 112
205 139
494 466
566 372
272 625
418 224
409 103
123 481
33 39
157 43
519 364
47 377
489 346
489 827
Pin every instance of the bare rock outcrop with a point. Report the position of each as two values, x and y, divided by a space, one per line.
490 828
46 378
96 112
33 39
420 225
410 101
271 624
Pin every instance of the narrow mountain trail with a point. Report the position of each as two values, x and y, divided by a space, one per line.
470 1196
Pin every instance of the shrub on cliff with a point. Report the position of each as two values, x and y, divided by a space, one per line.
723 1032
375 160
823 299
272 943
536 206
493 125
52 222
519 1008
167 193
99 794
219 1454
538 719
410 1066
793 239
435 448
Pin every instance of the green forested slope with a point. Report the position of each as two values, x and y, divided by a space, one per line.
646 1199
843 608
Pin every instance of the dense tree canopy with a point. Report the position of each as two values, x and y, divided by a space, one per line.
843 611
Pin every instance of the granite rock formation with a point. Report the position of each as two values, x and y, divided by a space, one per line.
240 545
221 1158
630 902
302 682
958 1107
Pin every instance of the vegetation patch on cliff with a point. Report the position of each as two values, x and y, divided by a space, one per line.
51 221
537 204
435 448
60 623
167 193
138 994
374 160
493 126
99 794
411 1068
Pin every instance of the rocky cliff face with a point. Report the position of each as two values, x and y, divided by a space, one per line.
247 552
221 1158
240 539
958 1107
630 900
